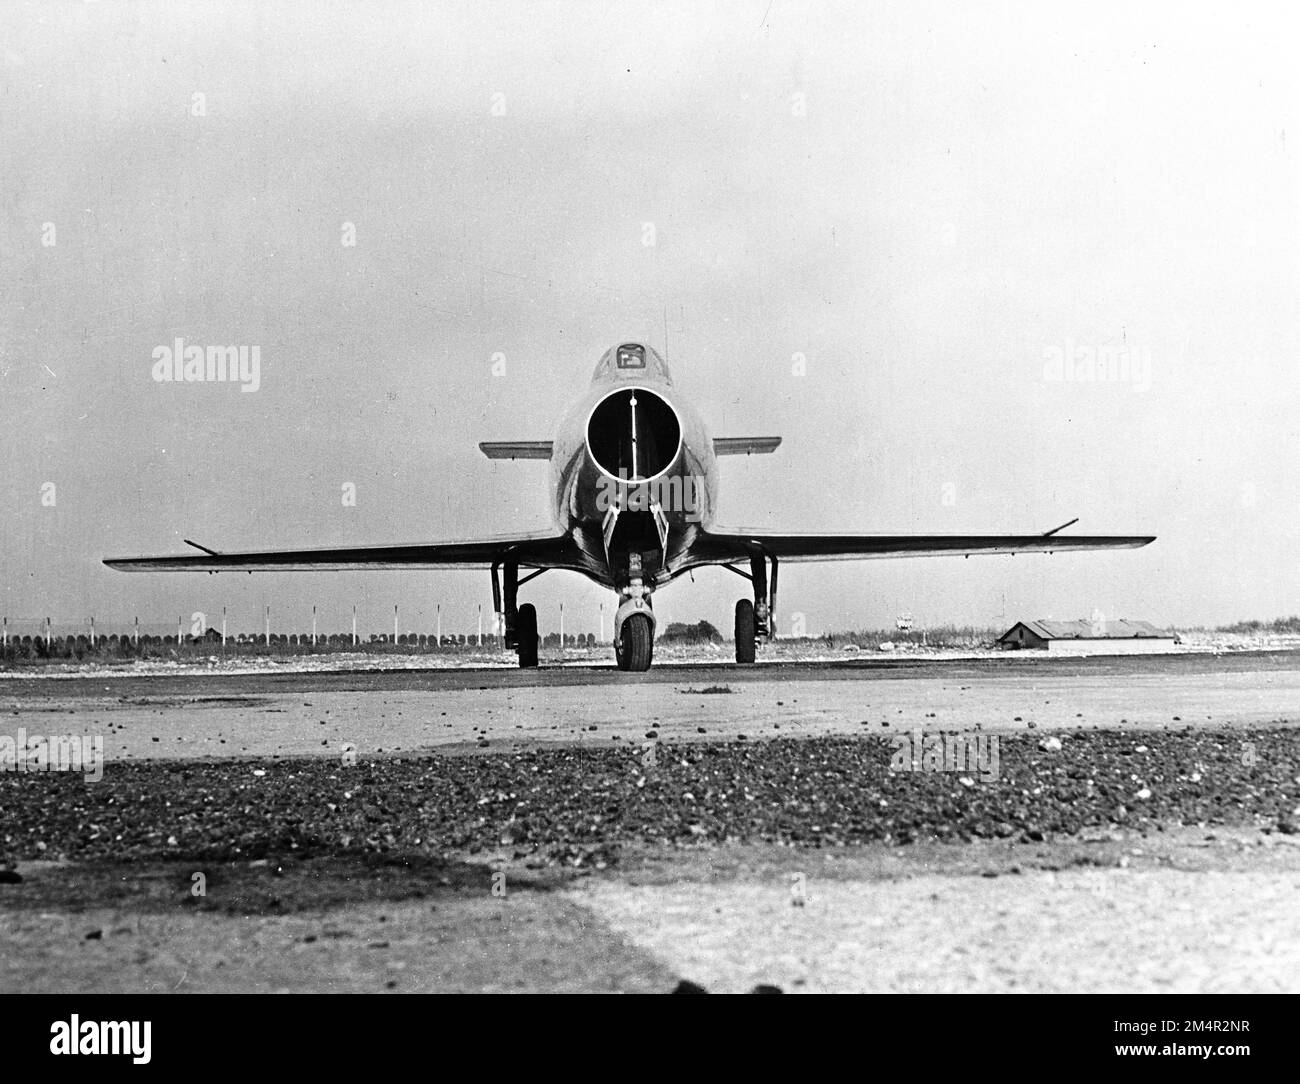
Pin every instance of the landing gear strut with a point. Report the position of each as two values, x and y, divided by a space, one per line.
634 623
755 620
520 621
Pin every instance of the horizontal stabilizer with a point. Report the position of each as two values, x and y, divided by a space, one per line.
516 449
745 445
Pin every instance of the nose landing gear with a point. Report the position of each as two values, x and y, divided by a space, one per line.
634 623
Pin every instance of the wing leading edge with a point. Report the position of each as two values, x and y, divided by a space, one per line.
531 551
717 547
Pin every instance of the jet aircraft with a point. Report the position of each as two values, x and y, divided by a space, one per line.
633 492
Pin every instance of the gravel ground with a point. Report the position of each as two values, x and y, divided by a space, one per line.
578 806
623 874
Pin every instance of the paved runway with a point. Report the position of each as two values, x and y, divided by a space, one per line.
319 714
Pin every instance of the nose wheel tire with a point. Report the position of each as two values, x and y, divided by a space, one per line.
526 624
635 644
745 631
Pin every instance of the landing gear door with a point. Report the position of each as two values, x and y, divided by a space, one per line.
661 526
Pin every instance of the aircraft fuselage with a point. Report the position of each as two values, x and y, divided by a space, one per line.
634 477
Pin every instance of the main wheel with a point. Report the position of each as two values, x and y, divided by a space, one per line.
635 644
745 631
526 626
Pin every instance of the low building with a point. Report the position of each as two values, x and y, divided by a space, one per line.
1088 637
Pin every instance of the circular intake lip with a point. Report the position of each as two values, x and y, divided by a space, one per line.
635 390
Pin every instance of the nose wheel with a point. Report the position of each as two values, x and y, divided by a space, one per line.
635 645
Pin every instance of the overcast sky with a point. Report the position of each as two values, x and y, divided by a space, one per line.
876 230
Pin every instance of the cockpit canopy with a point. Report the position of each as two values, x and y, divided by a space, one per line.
631 361
630 356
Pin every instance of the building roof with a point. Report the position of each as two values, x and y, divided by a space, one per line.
1089 630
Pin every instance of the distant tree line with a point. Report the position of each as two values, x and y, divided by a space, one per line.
1277 625
700 633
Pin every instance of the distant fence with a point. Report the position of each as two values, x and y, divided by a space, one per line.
55 644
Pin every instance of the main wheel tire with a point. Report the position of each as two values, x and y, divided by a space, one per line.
636 644
746 640
526 626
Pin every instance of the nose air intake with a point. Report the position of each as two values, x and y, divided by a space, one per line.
633 434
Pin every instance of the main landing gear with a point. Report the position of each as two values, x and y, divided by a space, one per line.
746 631
755 620
634 623
520 621
526 628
